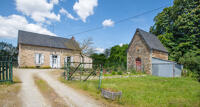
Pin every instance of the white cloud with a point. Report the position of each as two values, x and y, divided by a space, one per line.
65 12
10 25
85 8
38 10
108 23
99 50
121 44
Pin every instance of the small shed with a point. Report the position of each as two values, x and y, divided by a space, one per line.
166 68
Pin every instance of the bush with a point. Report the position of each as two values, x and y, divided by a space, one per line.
36 67
119 73
191 62
113 73
46 67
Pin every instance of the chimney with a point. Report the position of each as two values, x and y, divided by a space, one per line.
72 38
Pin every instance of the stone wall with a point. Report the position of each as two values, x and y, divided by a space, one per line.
138 48
27 53
160 55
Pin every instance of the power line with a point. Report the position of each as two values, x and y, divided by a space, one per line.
119 21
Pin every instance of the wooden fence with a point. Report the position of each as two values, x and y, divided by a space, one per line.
6 71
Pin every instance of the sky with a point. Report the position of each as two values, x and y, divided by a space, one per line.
66 17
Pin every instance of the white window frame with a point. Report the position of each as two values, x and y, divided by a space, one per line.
39 58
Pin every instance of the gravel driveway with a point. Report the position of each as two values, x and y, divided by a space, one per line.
31 96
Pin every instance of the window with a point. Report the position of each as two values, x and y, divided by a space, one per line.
39 58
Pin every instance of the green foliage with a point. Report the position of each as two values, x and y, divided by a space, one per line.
177 27
191 61
7 49
118 56
114 58
36 67
113 73
119 72
98 58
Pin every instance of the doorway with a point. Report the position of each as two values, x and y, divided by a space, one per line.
138 64
54 61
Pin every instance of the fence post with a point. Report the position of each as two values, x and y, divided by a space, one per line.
1 68
68 70
7 62
100 77
11 66
65 69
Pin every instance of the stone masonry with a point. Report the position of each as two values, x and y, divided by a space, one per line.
139 49
27 53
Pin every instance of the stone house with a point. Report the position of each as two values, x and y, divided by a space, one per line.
142 49
39 50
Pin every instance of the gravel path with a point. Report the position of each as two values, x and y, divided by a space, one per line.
73 98
31 96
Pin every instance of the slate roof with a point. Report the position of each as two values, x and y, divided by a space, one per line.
30 38
151 40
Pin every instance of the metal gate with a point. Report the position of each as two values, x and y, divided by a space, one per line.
6 70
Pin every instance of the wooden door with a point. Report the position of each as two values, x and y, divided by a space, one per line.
138 64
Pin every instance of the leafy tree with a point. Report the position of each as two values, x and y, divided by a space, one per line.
191 61
118 56
98 58
107 53
112 58
8 50
178 28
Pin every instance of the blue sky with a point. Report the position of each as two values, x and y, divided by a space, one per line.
65 17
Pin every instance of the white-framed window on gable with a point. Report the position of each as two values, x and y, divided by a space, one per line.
39 58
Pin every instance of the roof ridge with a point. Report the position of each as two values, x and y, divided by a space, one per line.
31 38
43 34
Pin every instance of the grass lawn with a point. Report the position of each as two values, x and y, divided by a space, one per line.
9 93
146 91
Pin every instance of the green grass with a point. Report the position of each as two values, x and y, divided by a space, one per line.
147 91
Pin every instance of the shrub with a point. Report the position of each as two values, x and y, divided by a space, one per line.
113 73
46 67
119 73
191 62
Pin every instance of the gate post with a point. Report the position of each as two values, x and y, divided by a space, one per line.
68 70
11 66
100 77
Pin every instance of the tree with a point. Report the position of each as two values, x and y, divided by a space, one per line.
178 28
107 53
8 50
112 58
86 46
118 56
98 59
